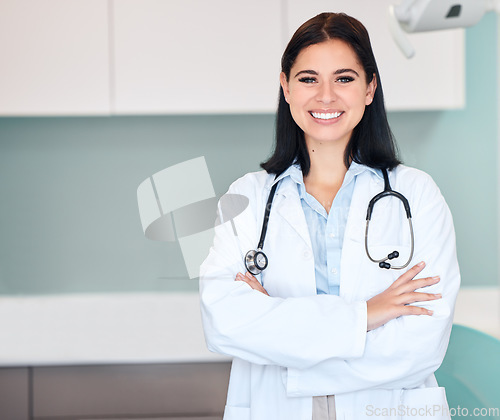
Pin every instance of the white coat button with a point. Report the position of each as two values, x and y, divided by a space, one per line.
334 270
332 235
307 254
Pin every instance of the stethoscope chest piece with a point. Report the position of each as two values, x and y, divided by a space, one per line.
255 261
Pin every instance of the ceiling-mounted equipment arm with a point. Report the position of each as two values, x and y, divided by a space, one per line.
431 15
398 34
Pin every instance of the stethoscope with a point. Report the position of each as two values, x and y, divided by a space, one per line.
256 261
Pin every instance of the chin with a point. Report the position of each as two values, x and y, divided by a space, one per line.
315 137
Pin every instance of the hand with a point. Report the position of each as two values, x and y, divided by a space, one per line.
251 281
394 301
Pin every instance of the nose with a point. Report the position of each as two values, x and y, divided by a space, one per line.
326 93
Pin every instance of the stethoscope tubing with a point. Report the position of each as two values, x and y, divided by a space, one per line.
267 212
252 264
382 260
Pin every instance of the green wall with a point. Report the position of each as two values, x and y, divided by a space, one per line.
69 219
68 215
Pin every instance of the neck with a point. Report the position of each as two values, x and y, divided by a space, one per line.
327 163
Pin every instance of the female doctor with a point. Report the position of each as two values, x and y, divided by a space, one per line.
323 332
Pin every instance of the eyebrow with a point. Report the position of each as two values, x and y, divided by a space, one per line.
339 71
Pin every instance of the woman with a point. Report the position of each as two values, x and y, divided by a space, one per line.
323 332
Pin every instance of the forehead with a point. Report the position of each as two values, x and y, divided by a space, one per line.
332 53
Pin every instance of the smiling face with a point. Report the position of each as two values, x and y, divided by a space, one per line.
327 92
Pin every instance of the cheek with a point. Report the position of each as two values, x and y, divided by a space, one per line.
298 116
359 113
297 102
359 102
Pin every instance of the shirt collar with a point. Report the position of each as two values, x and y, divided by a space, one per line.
356 168
295 173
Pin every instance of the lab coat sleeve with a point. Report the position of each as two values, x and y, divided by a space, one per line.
241 322
404 352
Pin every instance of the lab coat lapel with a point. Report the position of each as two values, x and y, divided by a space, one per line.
290 209
367 186
353 251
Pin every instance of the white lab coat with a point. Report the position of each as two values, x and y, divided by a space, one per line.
294 344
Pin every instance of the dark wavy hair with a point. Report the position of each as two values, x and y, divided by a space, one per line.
372 142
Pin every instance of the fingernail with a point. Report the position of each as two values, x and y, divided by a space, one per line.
430 312
439 295
248 275
420 264
436 278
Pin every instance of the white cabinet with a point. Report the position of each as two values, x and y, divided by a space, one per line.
92 57
433 79
196 56
54 57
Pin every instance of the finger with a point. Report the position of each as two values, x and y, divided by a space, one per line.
241 277
249 275
418 297
245 279
410 274
415 310
418 284
252 282
249 279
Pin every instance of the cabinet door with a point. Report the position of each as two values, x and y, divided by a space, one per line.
433 79
54 57
196 56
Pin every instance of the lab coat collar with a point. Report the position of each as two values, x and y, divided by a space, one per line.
288 206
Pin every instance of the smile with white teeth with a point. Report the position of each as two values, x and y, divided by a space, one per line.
326 116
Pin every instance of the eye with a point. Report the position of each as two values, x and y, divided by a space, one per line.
307 80
345 79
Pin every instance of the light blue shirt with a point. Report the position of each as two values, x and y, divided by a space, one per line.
327 229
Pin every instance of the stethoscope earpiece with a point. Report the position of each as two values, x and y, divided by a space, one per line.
391 256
